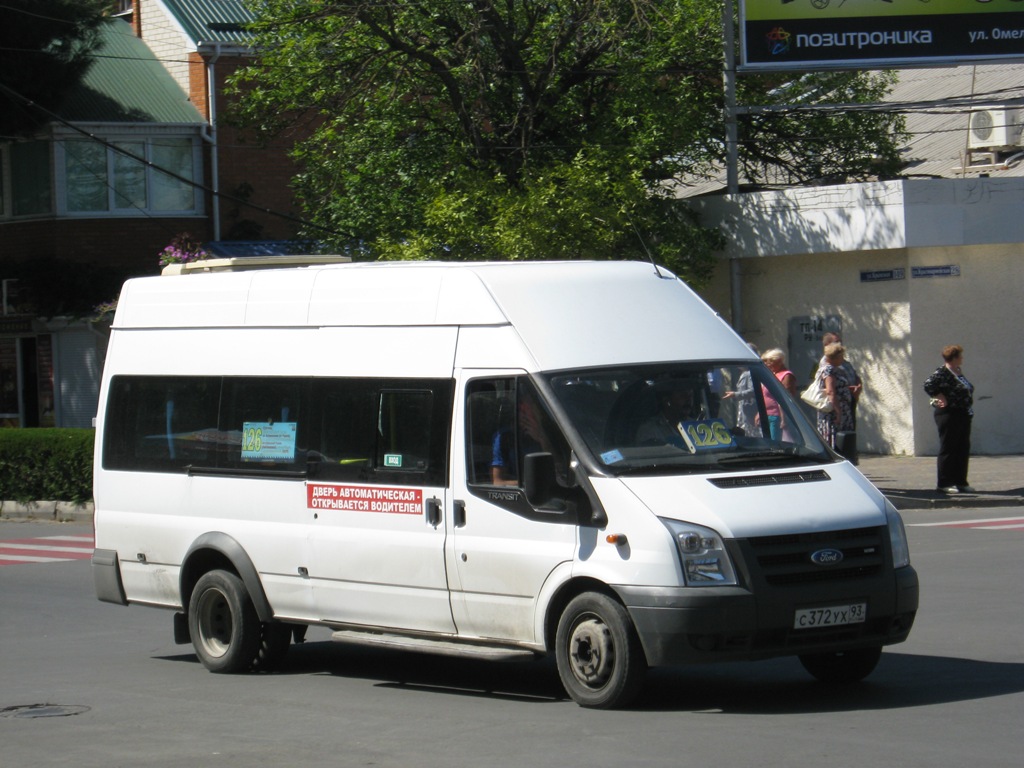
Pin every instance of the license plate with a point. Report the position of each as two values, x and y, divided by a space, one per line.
832 616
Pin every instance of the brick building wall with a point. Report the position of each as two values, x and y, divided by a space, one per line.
252 168
129 244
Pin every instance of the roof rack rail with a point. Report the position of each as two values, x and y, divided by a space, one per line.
244 263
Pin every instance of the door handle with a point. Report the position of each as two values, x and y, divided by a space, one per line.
459 513
433 511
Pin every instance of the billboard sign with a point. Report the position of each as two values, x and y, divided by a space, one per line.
866 34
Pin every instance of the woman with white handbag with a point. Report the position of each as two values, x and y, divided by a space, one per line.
837 390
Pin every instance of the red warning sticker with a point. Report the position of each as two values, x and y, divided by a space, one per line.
364 498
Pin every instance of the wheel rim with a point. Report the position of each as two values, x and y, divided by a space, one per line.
591 652
215 623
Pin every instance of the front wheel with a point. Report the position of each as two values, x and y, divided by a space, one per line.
843 667
600 660
225 629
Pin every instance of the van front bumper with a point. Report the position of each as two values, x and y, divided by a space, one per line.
679 625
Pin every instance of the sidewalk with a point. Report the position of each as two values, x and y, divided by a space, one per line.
908 482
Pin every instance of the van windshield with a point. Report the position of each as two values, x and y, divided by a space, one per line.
687 417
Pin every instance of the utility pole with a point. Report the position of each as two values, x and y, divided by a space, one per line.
732 157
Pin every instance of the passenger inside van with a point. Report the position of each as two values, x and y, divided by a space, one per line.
513 441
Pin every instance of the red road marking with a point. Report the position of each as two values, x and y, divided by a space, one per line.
47 549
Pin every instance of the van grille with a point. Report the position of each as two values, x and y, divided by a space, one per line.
758 481
784 560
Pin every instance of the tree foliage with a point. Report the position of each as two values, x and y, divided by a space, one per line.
46 47
511 129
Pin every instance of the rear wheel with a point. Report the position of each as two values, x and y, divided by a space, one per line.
226 632
843 667
600 660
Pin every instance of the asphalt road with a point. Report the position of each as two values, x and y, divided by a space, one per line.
83 684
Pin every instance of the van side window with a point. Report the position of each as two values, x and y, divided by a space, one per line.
506 421
383 430
404 430
348 440
265 416
490 416
163 423
388 431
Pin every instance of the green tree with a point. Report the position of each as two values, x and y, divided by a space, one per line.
46 47
473 129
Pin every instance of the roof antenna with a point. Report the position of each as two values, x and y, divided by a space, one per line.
650 256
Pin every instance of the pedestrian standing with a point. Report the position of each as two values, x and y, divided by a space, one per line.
840 418
952 400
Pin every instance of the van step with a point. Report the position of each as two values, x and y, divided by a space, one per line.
429 645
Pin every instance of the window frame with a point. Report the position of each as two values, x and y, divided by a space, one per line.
114 207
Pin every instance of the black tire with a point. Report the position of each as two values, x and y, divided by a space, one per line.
599 657
226 632
843 667
275 638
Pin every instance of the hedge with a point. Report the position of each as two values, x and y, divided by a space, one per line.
46 464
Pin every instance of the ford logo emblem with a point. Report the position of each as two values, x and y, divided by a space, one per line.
827 557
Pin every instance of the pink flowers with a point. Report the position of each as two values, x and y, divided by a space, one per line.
181 250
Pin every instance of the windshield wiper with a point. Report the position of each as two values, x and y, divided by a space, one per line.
762 457
658 469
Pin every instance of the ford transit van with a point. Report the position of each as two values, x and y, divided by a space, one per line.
491 460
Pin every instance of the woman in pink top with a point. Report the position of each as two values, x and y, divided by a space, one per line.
775 359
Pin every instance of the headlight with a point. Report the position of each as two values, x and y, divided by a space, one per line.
702 554
897 537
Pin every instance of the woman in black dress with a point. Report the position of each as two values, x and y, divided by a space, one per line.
952 398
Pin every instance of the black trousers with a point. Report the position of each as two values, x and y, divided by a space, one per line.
954 446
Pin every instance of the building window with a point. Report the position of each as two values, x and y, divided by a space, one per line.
107 178
30 178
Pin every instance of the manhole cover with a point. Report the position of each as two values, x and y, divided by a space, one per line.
43 710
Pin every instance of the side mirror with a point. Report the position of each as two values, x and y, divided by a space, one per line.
539 482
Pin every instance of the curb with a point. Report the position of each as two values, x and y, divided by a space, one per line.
47 511
965 501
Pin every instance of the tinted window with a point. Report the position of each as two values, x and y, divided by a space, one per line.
362 430
507 420
163 424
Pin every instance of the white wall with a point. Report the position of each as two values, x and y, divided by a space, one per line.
876 323
981 310
894 329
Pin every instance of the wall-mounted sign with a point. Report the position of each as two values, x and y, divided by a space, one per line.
949 270
16 324
881 275
866 34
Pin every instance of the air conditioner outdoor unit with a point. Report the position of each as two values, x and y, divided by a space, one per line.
994 129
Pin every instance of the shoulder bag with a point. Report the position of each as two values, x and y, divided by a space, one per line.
816 397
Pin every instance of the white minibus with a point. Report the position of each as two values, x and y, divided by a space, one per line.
492 460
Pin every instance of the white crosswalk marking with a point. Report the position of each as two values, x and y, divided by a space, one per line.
48 548
986 524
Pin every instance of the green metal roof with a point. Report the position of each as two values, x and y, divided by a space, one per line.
213 21
126 84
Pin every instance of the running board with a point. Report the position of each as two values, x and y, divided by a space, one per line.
429 645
